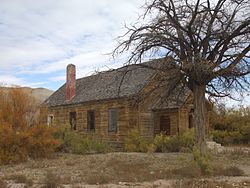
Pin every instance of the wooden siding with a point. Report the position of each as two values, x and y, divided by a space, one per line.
127 118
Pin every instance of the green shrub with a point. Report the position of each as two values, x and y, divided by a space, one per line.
203 162
227 138
81 144
187 139
135 143
161 143
245 131
220 136
164 143
231 125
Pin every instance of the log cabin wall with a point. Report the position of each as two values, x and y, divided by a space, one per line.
148 97
151 121
127 118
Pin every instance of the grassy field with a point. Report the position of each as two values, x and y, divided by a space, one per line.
128 170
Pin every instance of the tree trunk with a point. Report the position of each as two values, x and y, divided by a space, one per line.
200 118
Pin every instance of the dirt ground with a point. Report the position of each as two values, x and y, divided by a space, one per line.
128 170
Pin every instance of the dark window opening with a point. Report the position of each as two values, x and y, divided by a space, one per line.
112 120
165 125
191 119
72 120
90 120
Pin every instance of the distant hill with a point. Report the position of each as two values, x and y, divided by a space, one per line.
40 94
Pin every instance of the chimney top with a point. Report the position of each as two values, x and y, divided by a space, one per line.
70 81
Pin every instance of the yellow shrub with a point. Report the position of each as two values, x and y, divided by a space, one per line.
12 146
135 143
33 142
41 142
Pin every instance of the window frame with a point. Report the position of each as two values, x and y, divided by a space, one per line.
50 119
73 116
91 117
112 120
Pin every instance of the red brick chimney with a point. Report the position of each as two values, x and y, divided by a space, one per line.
71 82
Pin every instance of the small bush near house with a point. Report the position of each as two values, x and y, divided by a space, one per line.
164 143
81 144
187 139
135 143
161 143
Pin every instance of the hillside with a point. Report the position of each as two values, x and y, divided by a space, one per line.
40 94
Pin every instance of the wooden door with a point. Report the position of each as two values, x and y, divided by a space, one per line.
165 124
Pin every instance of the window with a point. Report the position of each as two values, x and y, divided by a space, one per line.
72 120
50 119
191 119
112 120
91 120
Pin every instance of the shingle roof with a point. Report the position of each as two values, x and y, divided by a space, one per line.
123 82
175 99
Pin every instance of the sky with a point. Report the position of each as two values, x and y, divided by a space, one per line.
39 38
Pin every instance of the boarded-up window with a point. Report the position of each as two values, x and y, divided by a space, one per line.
112 124
91 120
72 120
165 124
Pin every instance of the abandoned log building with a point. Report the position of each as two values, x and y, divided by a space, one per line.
110 103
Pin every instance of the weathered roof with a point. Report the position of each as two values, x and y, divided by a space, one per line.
177 97
123 82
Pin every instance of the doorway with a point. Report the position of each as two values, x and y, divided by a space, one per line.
165 124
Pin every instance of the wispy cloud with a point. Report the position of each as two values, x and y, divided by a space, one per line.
42 37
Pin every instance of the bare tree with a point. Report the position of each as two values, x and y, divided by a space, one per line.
209 41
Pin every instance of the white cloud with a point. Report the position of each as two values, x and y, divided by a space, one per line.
9 80
42 37
34 32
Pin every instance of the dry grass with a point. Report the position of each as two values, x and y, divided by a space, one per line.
209 184
19 178
3 184
228 171
113 168
190 171
51 181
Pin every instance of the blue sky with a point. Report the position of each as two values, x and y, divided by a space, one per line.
39 38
